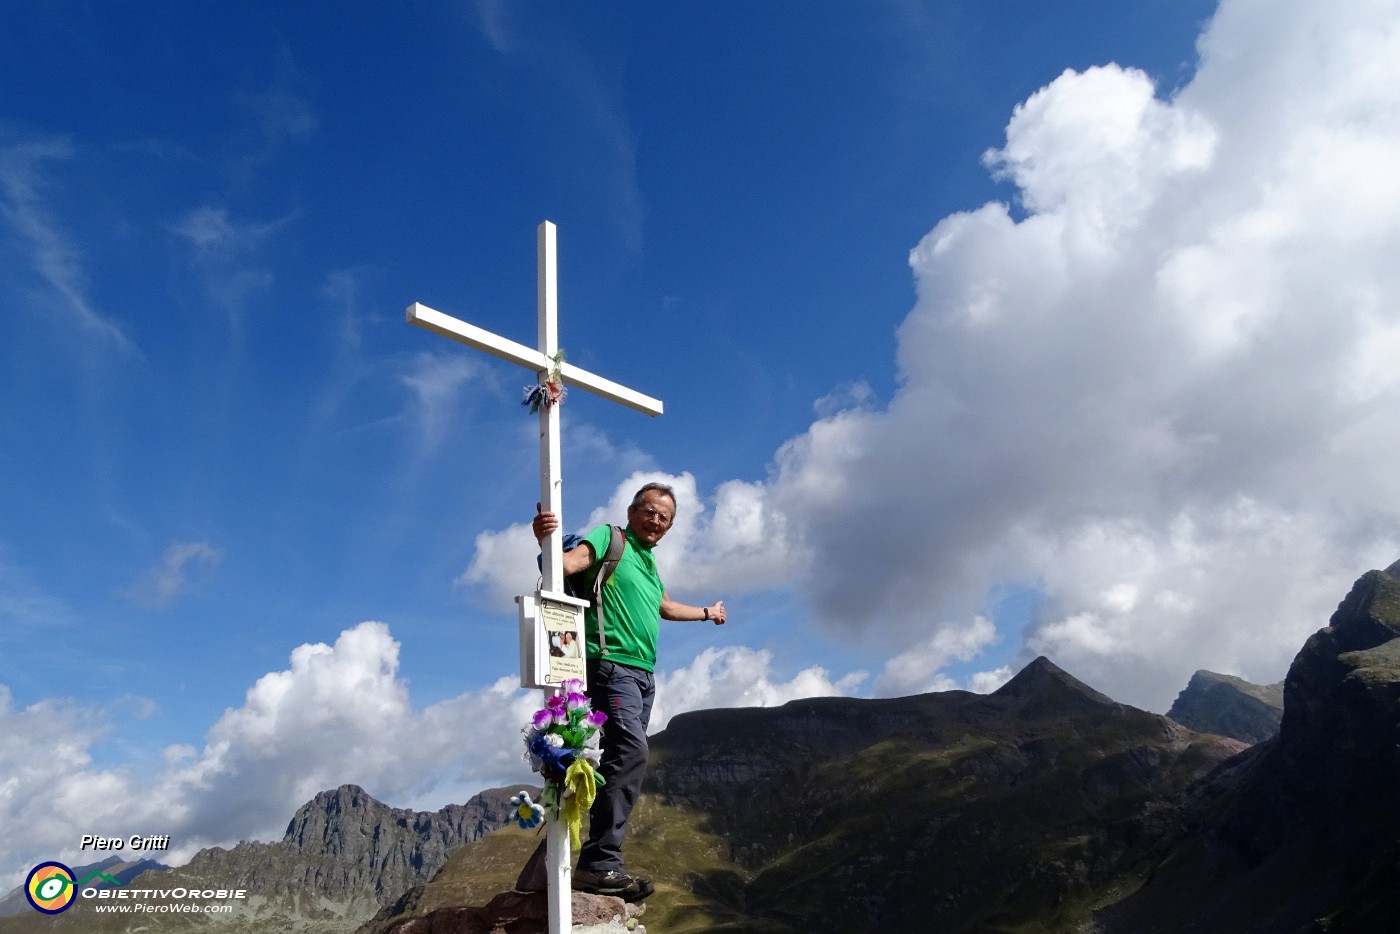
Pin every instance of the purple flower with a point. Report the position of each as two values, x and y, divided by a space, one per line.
596 718
572 686
542 718
575 701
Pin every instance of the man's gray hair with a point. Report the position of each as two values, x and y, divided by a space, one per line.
658 487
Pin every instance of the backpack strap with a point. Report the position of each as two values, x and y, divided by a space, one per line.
616 544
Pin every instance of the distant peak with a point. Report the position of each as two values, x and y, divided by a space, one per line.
347 790
333 807
346 796
344 791
1205 680
1042 678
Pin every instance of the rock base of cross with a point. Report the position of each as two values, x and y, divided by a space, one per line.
527 913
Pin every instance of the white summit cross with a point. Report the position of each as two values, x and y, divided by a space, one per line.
543 360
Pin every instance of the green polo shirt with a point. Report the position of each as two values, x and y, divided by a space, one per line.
631 603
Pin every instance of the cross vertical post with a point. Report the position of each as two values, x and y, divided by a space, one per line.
558 862
542 359
551 483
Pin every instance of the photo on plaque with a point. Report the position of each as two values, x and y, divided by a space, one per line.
563 636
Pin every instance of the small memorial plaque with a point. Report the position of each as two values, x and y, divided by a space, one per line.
551 639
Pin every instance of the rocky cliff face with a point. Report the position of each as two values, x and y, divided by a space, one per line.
1302 833
1229 706
345 855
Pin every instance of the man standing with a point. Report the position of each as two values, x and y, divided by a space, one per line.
620 668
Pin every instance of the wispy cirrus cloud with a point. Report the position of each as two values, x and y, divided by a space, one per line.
44 245
603 146
227 255
181 566
282 112
493 19
211 232
25 607
436 383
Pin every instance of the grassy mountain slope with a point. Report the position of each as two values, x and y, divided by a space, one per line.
948 812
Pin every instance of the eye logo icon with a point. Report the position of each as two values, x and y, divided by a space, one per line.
49 888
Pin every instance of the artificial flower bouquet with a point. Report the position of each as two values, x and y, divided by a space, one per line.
563 743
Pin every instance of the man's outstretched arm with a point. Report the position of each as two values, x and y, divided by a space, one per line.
672 610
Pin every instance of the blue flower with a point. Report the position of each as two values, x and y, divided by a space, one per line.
527 813
554 760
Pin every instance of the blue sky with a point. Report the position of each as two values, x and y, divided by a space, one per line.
984 331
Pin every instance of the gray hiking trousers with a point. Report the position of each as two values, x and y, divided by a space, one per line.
625 694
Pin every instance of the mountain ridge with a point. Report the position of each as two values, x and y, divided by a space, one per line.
1300 834
348 847
848 814
1043 807
1229 706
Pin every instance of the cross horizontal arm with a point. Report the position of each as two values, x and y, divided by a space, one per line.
528 357
606 388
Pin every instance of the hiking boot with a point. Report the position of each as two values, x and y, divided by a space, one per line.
612 882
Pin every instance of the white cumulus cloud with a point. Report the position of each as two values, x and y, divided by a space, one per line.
916 670
736 542
739 677
1158 387
1155 396
336 714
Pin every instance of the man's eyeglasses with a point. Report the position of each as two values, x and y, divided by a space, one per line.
651 513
